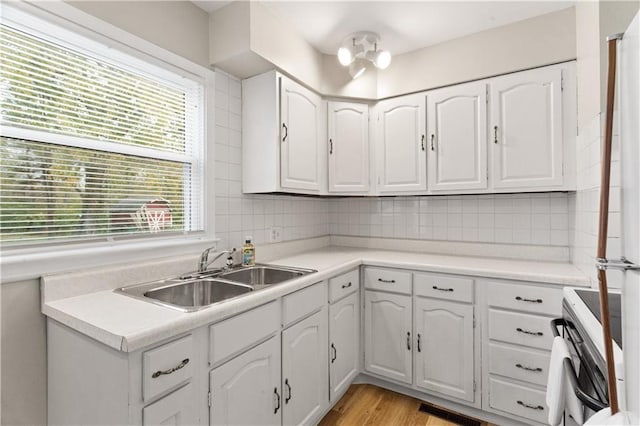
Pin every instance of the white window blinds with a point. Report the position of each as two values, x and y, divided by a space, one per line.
94 143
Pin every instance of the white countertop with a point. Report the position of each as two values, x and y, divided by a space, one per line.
129 324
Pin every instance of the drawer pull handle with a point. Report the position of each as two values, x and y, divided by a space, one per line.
286 132
408 340
533 333
346 285
419 348
522 299
286 383
275 393
386 281
335 353
171 370
435 287
533 407
534 369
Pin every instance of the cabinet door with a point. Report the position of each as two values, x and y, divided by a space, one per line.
246 390
526 129
344 343
348 147
388 340
401 144
457 137
177 408
299 137
305 370
444 345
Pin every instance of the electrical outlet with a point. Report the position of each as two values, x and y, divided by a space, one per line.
275 234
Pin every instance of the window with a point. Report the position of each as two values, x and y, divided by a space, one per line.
95 143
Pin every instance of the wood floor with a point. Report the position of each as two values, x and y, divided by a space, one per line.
371 405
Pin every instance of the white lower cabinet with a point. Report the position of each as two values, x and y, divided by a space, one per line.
344 347
176 409
304 370
445 347
387 335
246 390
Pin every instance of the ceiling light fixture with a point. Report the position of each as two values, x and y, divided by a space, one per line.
362 45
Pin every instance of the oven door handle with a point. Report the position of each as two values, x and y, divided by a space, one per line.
585 398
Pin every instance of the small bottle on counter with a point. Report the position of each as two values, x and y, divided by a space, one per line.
248 252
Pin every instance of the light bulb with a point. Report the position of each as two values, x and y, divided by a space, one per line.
382 59
344 56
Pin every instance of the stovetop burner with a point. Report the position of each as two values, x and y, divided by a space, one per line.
592 300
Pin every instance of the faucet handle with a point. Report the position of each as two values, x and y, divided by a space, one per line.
229 261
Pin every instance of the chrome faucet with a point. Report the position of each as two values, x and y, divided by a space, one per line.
204 258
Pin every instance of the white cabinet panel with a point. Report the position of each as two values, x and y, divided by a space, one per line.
401 144
457 132
388 340
177 409
526 129
445 346
305 370
348 147
246 390
299 135
344 343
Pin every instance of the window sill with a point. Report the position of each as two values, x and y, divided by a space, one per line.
20 265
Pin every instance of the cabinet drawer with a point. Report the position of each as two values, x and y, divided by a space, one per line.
521 329
343 284
540 300
387 280
519 400
303 302
234 334
520 364
444 287
177 408
167 366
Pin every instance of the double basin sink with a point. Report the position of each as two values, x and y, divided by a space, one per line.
199 290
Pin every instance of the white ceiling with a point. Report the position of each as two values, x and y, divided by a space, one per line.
403 26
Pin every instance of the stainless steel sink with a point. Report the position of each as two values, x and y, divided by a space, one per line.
197 291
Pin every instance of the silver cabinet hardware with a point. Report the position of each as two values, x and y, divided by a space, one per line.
288 398
346 285
534 369
408 340
533 333
277 399
522 299
623 264
335 353
435 287
286 132
533 407
432 136
386 281
330 146
171 370
419 347
495 134
422 142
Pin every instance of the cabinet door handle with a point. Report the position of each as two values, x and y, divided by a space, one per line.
533 333
335 353
435 287
386 281
534 369
495 134
408 340
422 142
277 399
171 370
286 383
419 347
346 285
432 137
522 299
286 132
533 407
330 146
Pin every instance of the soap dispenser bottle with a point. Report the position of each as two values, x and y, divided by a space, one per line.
248 252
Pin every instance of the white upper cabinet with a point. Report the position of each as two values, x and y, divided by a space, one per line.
283 134
401 145
299 136
526 129
348 147
457 137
